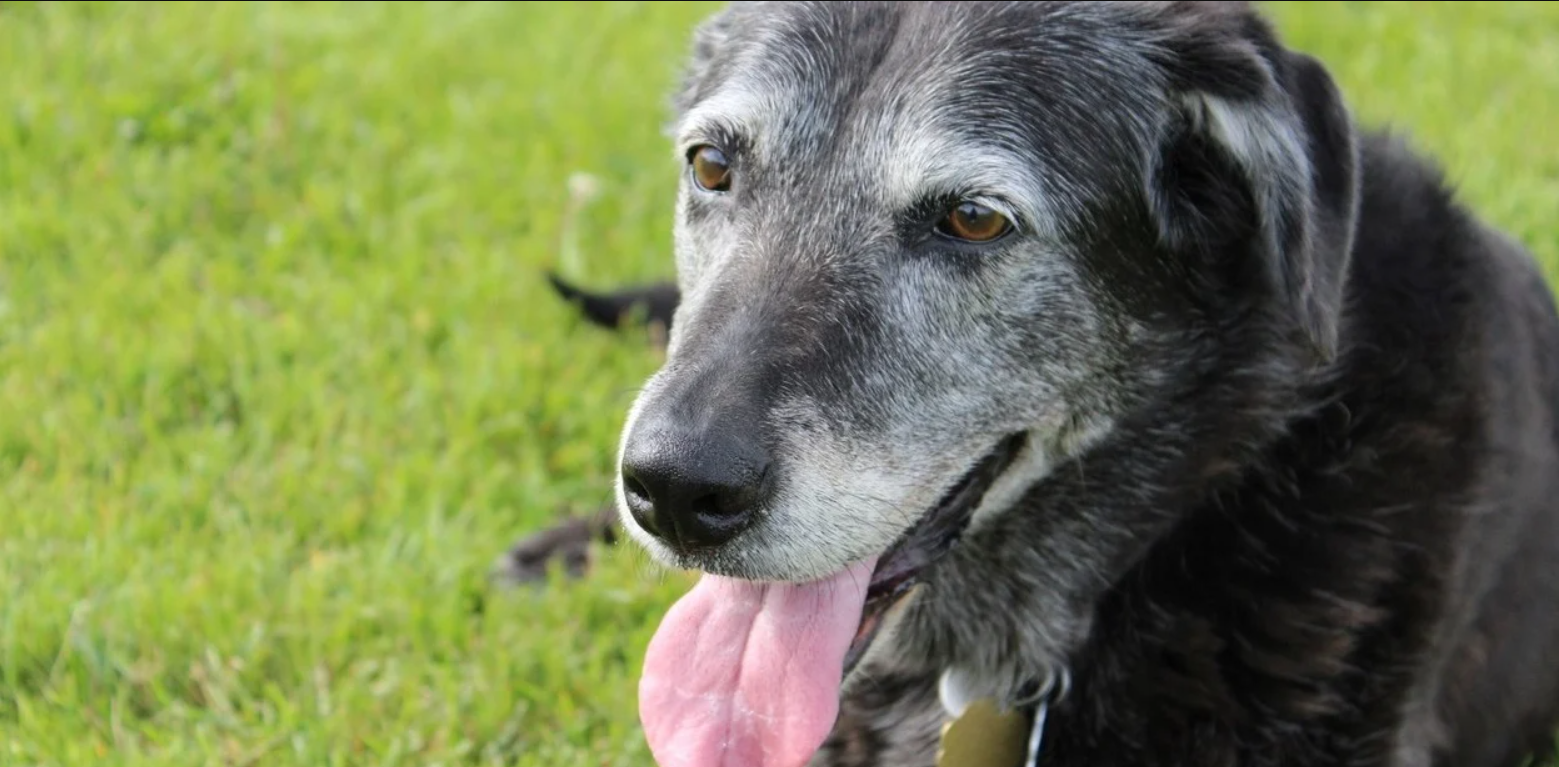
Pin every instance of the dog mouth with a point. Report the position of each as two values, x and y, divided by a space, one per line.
745 673
899 569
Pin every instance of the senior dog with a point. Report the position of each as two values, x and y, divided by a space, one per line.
1085 356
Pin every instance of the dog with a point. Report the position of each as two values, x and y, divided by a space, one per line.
1087 359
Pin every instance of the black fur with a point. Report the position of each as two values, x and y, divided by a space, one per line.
1284 617
651 304
1332 537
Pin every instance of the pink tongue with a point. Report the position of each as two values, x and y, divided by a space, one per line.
744 674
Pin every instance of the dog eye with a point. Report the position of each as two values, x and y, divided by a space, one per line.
711 171
973 222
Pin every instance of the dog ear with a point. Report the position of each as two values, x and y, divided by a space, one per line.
1261 139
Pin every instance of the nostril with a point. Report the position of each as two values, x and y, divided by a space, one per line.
641 504
636 489
731 500
738 497
706 506
715 517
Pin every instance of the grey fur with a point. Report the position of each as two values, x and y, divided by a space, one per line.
1161 339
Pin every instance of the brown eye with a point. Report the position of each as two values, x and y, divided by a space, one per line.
711 171
973 222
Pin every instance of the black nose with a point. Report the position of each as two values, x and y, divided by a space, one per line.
693 490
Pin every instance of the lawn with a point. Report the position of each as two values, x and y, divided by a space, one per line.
279 379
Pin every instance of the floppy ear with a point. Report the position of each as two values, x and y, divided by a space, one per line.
1261 139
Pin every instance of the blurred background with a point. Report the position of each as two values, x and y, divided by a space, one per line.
280 377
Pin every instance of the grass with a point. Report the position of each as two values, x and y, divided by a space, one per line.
278 378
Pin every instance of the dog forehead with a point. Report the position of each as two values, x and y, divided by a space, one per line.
995 96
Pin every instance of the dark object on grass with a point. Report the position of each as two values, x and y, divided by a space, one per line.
652 304
566 545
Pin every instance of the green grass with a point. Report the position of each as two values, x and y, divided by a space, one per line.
278 379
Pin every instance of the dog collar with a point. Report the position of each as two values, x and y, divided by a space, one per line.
986 736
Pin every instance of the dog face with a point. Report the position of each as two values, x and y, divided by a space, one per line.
909 232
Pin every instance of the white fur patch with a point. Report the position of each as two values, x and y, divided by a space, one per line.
1259 139
734 107
1039 457
922 161
1032 465
841 503
1266 144
957 692
957 689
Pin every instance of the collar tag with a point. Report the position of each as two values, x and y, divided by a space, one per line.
985 736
